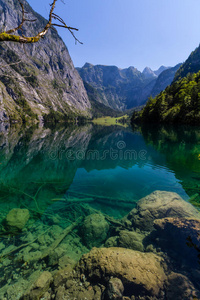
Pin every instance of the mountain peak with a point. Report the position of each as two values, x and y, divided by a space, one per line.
160 70
148 73
88 65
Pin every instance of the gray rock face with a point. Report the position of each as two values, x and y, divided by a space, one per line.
122 89
45 79
148 73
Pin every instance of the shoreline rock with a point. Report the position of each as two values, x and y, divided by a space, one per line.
159 205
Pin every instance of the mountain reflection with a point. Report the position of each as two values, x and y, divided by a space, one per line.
40 165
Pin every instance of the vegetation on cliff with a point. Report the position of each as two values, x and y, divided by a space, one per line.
178 103
191 65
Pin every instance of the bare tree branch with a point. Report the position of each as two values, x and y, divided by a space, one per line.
9 37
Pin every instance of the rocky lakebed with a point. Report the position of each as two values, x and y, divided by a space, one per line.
151 253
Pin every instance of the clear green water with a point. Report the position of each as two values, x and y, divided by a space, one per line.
62 174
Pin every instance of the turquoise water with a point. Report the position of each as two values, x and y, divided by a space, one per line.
62 174
119 166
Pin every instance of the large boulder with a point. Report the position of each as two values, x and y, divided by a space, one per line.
141 273
180 238
158 205
17 218
94 230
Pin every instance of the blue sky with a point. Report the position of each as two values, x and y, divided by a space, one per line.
129 32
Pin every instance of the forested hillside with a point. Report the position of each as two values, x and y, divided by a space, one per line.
178 103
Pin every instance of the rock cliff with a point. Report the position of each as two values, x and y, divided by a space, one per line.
40 78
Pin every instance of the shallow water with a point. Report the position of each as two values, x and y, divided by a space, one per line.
62 174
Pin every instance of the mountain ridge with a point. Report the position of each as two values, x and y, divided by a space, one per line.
122 89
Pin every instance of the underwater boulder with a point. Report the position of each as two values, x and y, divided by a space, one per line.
94 230
185 290
131 240
112 242
17 218
140 273
158 205
180 239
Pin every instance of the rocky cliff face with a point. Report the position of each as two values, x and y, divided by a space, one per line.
39 78
122 89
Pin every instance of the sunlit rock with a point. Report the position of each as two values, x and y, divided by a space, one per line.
158 205
140 273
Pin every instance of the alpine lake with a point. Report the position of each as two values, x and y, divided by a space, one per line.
51 180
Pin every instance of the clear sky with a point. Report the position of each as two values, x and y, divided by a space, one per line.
127 33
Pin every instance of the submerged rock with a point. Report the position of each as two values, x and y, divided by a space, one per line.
40 287
17 218
140 273
180 238
112 242
114 290
179 287
94 230
158 205
131 240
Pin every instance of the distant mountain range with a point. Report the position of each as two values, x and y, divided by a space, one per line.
122 89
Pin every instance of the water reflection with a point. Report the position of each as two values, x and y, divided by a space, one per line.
40 166
181 149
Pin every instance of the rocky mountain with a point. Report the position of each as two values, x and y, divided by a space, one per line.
39 79
160 70
122 89
148 73
164 79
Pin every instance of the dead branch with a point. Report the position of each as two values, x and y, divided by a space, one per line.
65 232
8 36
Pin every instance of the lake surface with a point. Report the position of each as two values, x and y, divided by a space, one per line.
60 175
